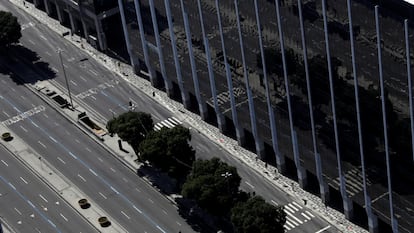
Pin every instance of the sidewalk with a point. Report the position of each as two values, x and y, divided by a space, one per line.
111 143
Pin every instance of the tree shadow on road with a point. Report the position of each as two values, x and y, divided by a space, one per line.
24 66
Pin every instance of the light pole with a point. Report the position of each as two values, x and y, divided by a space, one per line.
64 75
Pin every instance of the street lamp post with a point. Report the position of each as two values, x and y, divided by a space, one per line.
66 78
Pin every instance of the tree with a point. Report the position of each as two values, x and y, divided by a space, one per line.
131 127
169 150
10 30
214 185
255 215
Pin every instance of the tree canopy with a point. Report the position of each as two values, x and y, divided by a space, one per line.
131 127
255 215
214 185
10 30
169 150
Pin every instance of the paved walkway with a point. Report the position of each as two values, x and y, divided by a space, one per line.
125 71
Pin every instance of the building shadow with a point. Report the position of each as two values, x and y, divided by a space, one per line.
24 66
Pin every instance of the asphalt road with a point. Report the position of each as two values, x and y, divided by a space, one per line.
95 171
30 205
85 75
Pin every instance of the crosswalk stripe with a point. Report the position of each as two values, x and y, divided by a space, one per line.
308 213
290 225
293 207
164 124
177 122
293 218
287 208
169 123
296 204
157 127
306 216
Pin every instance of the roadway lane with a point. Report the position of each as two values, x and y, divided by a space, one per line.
116 189
27 203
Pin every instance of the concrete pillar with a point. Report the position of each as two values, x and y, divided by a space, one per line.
134 61
348 208
151 71
167 81
47 7
184 93
72 21
248 90
201 103
372 223
241 139
36 3
59 12
100 34
323 187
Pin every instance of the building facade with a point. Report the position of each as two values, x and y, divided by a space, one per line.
321 89
91 19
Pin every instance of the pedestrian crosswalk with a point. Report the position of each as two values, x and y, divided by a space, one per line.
224 97
169 123
353 181
296 215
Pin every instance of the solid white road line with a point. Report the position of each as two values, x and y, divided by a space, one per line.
17 211
249 184
137 209
82 178
113 189
63 217
61 160
122 212
93 172
102 195
323 229
4 163
44 199
23 180
41 144
73 82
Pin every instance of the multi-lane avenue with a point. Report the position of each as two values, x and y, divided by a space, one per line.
116 189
